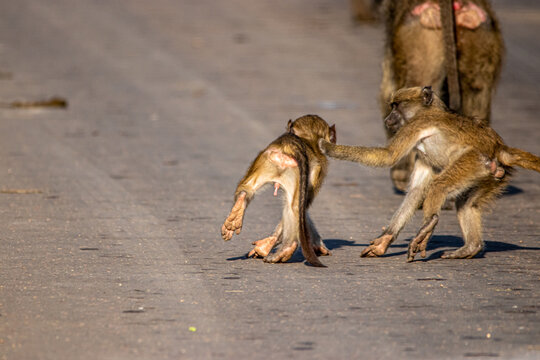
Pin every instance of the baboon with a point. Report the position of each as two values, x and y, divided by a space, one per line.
422 44
457 157
294 162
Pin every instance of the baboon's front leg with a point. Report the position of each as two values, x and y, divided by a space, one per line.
419 243
420 179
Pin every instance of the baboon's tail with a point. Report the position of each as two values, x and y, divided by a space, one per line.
450 54
510 156
305 240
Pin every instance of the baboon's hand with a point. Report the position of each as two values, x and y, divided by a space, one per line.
378 246
419 243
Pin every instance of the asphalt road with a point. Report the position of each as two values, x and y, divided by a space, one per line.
111 208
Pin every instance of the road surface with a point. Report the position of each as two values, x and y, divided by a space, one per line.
111 208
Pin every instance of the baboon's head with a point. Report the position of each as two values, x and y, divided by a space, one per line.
312 128
406 103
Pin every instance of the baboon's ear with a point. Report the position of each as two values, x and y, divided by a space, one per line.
427 95
333 137
289 126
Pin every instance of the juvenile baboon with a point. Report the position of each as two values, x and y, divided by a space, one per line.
457 157
421 47
294 162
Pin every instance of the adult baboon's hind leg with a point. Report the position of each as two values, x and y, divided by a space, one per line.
470 221
469 213
466 173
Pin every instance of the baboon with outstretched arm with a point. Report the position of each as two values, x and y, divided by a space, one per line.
457 157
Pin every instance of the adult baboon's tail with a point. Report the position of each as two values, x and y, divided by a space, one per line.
450 54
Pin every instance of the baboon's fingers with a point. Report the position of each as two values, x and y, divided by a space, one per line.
410 253
228 226
228 229
418 244
235 225
423 245
226 234
412 250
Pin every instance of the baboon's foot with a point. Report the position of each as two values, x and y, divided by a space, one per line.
464 252
263 247
282 255
378 246
419 243
321 250
233 223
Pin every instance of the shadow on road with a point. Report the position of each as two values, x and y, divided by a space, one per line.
512 190
509 191
445 241
438 241
333 244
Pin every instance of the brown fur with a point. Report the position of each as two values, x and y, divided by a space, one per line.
415 56
456 158
294 162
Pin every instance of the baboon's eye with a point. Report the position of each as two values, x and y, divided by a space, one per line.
394 105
